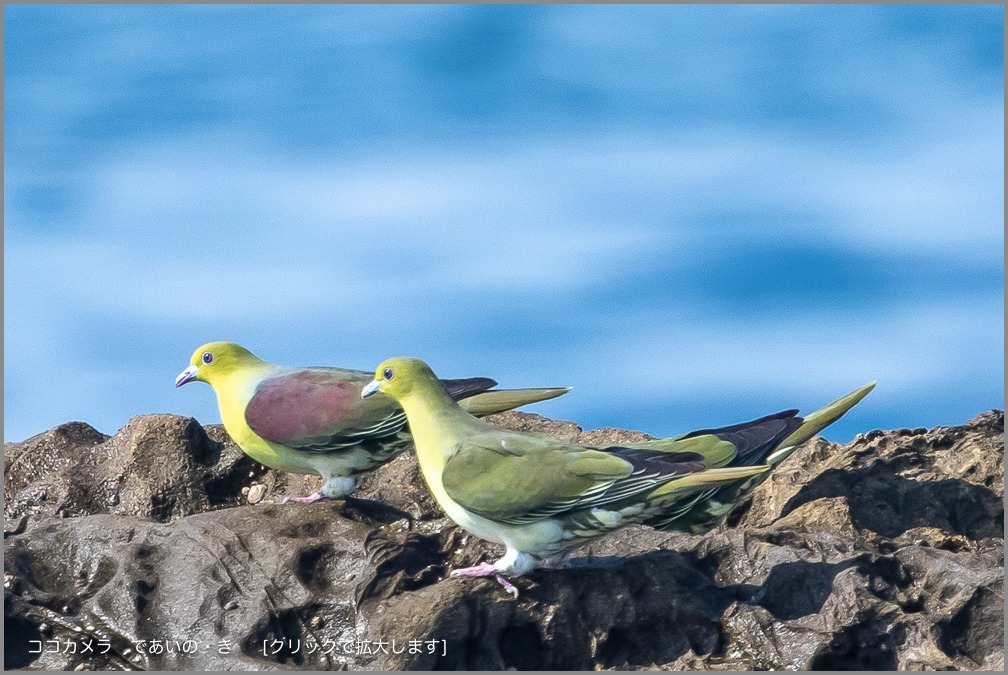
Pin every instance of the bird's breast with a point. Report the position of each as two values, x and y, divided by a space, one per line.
232 399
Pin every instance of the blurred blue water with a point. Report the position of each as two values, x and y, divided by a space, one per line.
693 214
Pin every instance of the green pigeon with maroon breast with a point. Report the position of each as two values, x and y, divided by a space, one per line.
314 421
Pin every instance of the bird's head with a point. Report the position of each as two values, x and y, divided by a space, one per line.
397 377
214 361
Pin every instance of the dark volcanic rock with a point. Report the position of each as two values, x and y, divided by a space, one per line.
159 467
884 553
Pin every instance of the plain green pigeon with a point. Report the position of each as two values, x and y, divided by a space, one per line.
541 497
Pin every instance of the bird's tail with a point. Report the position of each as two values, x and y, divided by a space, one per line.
689 503
702 480
815 422
718 497
501 400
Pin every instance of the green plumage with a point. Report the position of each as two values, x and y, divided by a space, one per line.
501 477
542 497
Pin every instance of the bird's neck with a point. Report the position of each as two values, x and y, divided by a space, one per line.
234 389
436 423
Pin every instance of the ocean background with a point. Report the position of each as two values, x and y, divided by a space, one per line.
694 215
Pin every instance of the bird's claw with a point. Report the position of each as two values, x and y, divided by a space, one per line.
486 570
508 586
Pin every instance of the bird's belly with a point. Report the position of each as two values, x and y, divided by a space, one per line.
530 538
272 455
282 458
470 522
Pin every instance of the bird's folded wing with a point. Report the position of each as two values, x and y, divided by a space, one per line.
319 410
520 479
505 476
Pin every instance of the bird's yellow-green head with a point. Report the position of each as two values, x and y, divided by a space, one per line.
214 361
397 377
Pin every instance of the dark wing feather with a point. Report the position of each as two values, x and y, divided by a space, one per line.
464 388
756 439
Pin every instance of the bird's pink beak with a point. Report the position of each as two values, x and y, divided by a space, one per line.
187 375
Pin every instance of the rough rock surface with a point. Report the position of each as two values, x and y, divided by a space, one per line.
162 547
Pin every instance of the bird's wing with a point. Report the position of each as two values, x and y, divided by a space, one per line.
517 479
320 410
470 386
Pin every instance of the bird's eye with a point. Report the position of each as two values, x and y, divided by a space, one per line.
207 357
388 374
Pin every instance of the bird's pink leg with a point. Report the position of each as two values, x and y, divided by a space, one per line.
486 570
304 500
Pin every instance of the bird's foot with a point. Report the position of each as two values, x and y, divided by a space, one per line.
303 500
486 570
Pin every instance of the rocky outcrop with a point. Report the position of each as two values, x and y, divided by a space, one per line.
162 547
